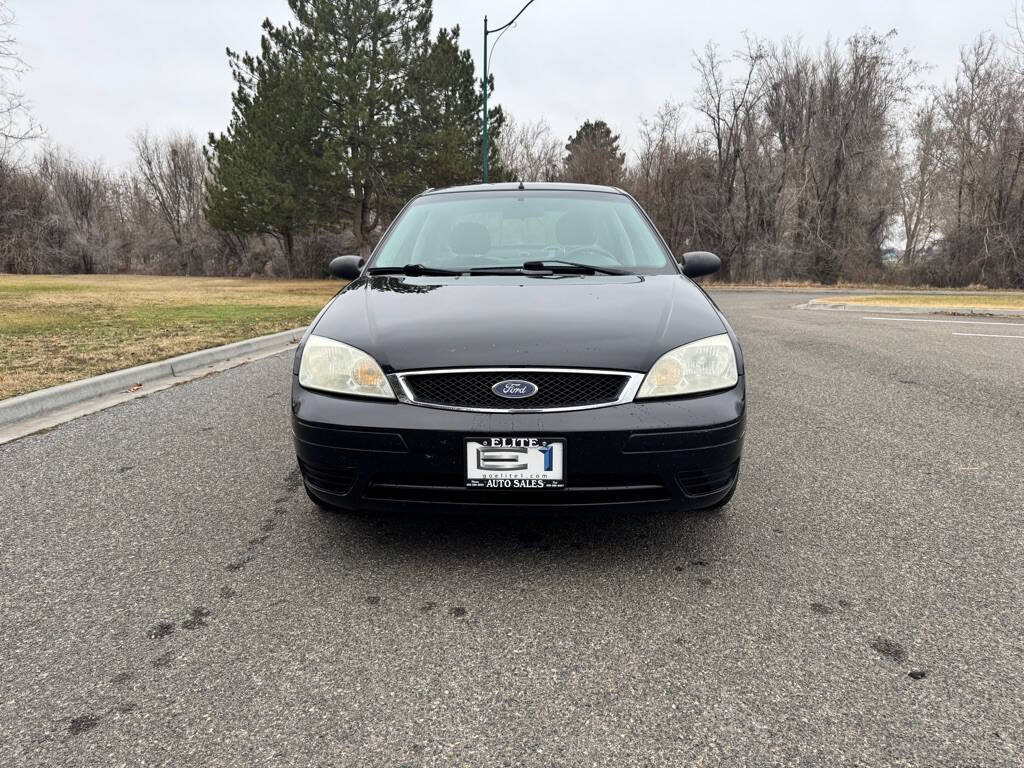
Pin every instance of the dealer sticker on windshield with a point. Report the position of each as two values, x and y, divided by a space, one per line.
509 463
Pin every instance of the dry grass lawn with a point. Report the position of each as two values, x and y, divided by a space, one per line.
976 300
55 329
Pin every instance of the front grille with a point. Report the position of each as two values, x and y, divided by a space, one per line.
555 389
338 481
583 490
702 482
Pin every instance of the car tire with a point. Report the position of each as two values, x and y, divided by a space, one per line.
323 506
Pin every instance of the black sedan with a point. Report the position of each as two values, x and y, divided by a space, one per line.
520 345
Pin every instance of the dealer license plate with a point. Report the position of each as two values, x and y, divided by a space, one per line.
510 463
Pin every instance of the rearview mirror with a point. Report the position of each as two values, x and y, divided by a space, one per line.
700 263
347 267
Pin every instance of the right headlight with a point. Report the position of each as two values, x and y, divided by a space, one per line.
700 366
332 366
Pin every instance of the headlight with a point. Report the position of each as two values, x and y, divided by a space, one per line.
331 366
700 366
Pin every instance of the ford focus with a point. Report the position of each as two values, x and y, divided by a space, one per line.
524 345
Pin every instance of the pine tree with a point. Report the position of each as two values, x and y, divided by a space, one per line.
346 113
362 52
447 122
267 170
593 155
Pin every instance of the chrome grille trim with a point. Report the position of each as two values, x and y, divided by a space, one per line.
404 393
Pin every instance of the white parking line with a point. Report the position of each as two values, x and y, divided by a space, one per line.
990 335
923 320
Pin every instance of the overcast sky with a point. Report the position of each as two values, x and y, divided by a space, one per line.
102 69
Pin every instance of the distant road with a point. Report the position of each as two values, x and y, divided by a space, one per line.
171 597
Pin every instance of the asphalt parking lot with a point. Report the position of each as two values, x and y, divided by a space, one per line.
170 596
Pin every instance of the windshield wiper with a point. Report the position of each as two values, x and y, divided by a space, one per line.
509 269
414 270
558 265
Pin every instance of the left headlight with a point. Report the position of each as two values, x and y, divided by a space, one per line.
331 366
700 366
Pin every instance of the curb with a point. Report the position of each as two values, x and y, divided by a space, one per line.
47 402
897 310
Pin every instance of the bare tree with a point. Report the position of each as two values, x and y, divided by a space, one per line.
1016 25
731 106
173 171
78 197
918 173
530 150
673 177
16 123
982 164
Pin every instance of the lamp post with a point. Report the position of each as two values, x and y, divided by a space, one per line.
487 32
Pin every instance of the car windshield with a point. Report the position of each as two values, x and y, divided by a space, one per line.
461 231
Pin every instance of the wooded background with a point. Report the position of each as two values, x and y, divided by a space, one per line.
834 164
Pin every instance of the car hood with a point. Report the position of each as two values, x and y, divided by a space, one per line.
593 321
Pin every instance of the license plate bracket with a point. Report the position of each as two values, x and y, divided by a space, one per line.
515 463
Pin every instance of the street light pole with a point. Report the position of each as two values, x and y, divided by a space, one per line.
487 32
486 88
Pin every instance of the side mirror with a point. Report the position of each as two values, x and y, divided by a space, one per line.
347 267
700 263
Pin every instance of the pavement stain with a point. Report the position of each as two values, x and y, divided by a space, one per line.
428 606
82 723
197 619
293 480
163 660
457 611
256 541
889 648
239 564
160 630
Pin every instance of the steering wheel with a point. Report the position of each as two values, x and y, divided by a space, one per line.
605 258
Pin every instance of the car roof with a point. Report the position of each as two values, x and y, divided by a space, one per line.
526 186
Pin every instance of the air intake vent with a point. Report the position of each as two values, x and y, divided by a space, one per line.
704 482
338 481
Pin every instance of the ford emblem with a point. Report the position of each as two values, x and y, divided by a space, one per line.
514 389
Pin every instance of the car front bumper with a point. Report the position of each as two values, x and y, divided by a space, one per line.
378 455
